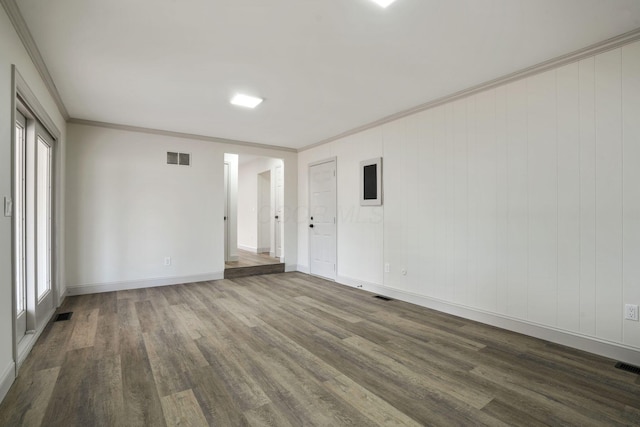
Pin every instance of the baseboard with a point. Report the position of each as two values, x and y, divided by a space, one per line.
255 250
304 269
62 296
95 288
586 343
7 379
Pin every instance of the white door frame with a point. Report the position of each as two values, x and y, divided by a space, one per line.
278 208
316 163
25 101
226 169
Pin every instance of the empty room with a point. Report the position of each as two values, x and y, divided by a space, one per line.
319 212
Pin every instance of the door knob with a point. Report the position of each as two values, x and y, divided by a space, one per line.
276 216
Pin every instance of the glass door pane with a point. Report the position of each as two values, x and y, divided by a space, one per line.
19 225
43 217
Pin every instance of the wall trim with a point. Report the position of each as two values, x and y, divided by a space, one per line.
256 250
20 25
6 380
594 49
578 341
173 134
303 269
95 288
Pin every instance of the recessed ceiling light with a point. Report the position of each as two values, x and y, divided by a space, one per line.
383 3
246 100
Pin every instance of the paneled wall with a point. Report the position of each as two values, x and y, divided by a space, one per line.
521 201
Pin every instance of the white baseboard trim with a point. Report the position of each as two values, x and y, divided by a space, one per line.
7 379
62 296
95 288
586 343
304 269
254 250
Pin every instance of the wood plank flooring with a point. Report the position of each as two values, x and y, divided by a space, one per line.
252 264
290 350
249 259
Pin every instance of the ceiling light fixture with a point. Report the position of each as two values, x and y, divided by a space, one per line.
383 3
246 100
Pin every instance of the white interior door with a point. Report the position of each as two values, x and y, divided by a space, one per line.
278 209
264 212
322 219
226 212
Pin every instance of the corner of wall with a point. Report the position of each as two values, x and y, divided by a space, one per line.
6 379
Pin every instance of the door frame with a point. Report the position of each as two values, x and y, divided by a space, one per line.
309 166
24 99
278 206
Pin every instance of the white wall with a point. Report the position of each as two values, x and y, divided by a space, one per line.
13 52
127 209
248 200
359 228
521 201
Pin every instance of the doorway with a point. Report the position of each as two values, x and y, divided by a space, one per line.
322 219
258 197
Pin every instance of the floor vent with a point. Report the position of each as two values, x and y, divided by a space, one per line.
628 368
383 298
63 316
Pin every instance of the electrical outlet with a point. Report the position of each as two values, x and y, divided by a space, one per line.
386 267
631 312
167 261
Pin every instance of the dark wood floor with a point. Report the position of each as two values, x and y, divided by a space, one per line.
291 350
250 259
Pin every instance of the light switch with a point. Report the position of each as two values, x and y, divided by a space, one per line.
8 206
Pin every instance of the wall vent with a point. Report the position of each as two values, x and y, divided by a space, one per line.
175 158
383 298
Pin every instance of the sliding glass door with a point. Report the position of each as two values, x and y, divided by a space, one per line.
33 225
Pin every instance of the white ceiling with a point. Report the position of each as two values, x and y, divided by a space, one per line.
324 67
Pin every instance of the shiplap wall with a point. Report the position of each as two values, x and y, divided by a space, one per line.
524 200
521 201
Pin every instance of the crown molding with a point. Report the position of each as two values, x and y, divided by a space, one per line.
178 135
20 25
557 62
